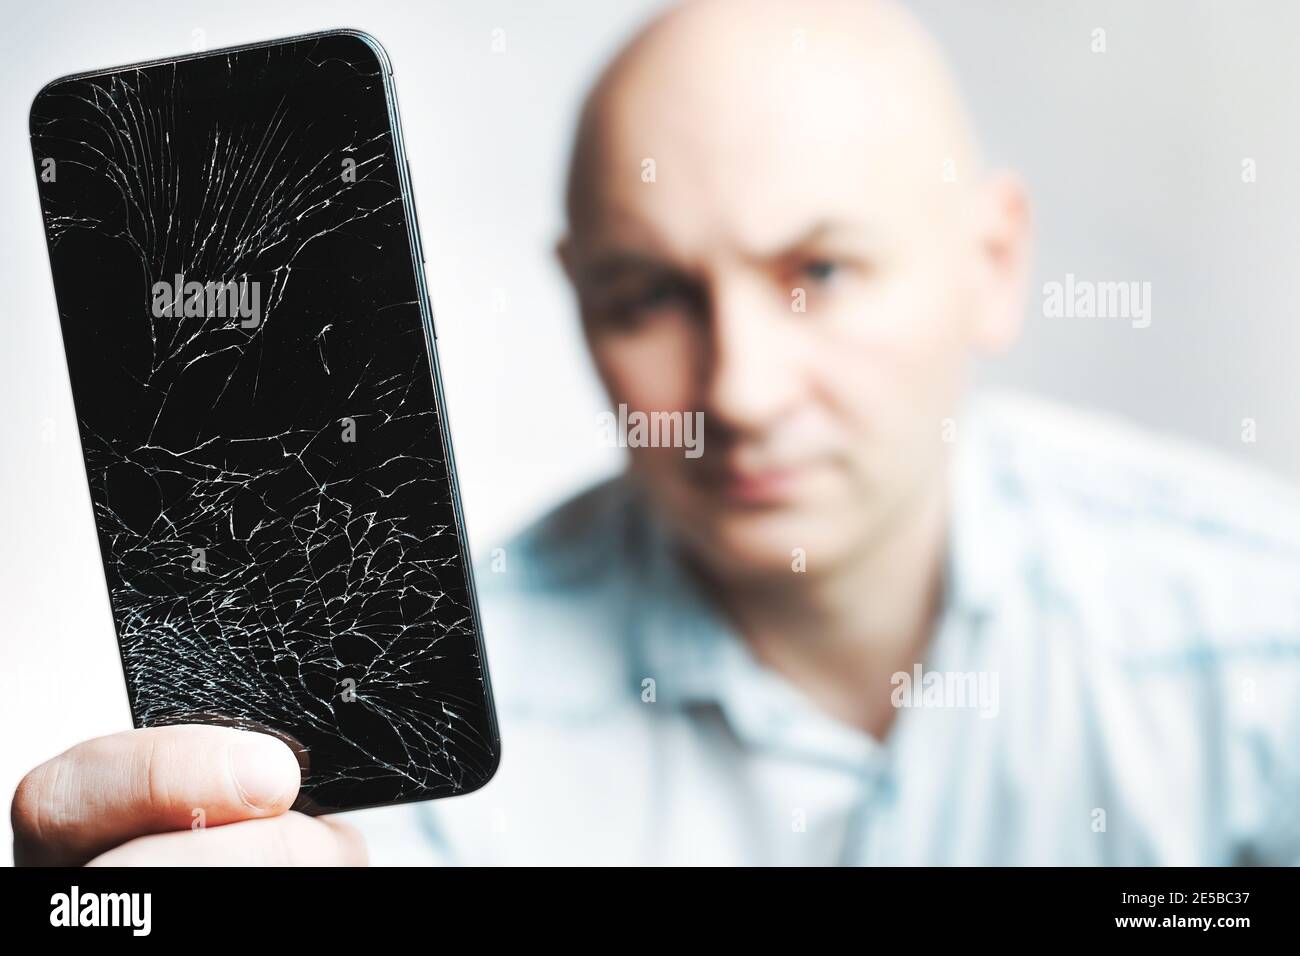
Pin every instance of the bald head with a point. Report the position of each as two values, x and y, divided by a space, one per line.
713 86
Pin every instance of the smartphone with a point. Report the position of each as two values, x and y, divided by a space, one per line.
253 363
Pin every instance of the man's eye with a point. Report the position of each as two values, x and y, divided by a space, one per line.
633 308
657 296
820 270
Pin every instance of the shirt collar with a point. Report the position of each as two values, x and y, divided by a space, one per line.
684 643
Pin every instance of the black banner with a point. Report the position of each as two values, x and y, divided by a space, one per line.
369 905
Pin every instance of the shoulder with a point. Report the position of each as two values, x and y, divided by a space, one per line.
1106 463
1184 541
568 547
1175 571
553 603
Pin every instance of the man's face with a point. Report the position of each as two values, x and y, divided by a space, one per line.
799 268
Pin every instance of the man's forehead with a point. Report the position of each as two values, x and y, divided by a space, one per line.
749 200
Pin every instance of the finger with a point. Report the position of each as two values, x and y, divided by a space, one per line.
106 791
290 839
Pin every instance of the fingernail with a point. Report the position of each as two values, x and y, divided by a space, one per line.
265 770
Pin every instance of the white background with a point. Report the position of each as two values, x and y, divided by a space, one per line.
1133 157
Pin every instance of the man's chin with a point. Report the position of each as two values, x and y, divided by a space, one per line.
764 544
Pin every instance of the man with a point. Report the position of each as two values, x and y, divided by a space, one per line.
870 623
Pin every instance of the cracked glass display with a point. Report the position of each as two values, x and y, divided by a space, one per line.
256 389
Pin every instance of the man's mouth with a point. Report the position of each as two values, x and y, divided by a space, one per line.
759 487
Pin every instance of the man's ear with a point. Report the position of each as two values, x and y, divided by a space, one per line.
1003 234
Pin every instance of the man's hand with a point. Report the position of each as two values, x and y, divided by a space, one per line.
133 798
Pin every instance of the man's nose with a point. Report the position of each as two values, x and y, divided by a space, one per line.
750 371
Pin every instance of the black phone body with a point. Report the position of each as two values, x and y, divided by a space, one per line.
253 363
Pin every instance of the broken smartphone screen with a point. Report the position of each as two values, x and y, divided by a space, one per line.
254 372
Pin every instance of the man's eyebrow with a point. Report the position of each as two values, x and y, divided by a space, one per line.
611 267
818 232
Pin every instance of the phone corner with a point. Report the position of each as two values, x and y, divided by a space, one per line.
485 775
371 43
41 94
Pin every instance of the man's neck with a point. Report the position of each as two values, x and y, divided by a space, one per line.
841 635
